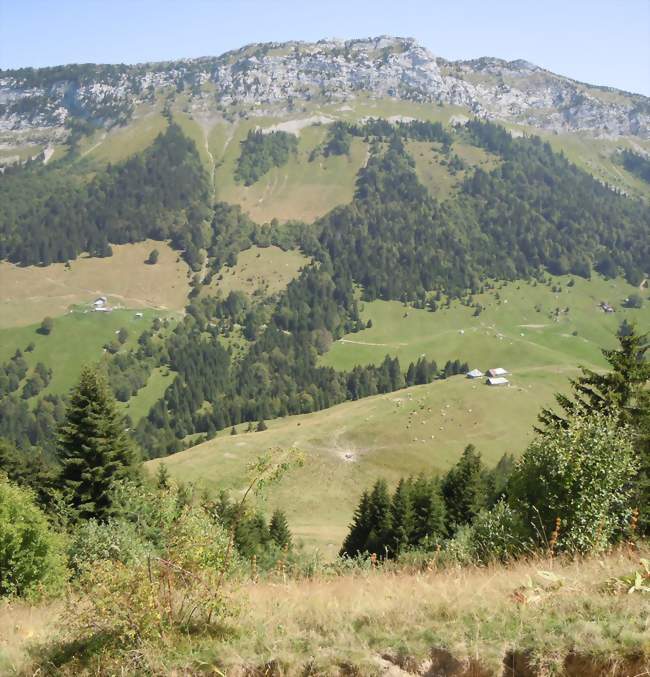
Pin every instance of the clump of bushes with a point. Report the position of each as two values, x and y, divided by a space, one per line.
32 555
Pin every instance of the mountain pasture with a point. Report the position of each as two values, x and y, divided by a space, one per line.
30 293
265 270
301 189
518 327
347 447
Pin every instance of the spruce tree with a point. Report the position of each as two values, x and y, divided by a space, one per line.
279 529
93 448
357 538
401 512
380 519
428 513
162 477
465 489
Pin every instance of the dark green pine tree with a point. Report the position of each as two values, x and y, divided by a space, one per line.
465 489
261 426
401 523
429 514
380 520
621 391
355 542
279 529
93 448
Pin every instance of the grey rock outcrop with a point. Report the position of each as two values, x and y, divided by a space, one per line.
280 74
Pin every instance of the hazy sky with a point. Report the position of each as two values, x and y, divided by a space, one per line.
594 41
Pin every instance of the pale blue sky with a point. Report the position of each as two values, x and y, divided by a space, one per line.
595 41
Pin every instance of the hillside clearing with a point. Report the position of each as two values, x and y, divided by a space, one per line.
518 327
32 292
266 270
300 189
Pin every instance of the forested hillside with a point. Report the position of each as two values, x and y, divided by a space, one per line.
53 214
532 211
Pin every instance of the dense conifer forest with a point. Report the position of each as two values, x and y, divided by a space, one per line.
52 214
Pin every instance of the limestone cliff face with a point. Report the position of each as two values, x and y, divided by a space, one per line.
280 74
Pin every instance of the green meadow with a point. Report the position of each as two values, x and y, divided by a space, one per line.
519 327
78 338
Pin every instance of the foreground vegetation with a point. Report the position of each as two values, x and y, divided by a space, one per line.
540 615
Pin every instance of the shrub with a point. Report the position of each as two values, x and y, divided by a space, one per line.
46 326
114 541
31 554
458 550
497 534
581 474
178 588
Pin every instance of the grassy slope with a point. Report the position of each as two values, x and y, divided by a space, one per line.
348 446
469 621
140 404
437 178
300 189
510 332
423 428
30 293
121 142
269 269
77 339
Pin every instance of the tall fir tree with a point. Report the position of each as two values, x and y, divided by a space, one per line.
279 529
357 538
380 520
93 447
428 513
465 489
402 522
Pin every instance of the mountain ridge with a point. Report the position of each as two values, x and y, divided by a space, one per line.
279 75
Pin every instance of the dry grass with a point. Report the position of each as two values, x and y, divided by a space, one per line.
474 613
21 625
460 621
267 270
27 294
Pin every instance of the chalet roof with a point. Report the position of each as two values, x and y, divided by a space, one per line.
497 381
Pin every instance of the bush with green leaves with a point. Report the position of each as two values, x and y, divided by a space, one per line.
31 553
497 534
147 523
180 588
115 540
581 473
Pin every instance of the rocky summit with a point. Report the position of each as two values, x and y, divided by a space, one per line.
274 77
